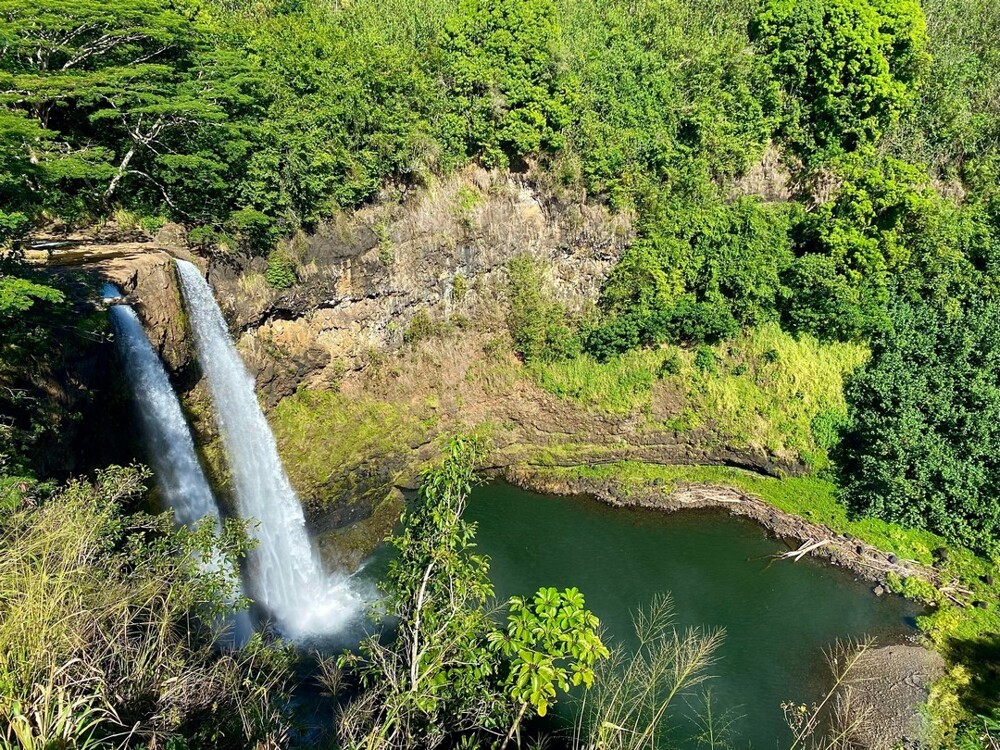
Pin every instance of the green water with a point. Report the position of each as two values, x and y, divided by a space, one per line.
778 618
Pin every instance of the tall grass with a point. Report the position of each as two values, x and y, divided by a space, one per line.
775 392
634 691
620 386
100 641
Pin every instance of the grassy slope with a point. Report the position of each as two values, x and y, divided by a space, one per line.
767 390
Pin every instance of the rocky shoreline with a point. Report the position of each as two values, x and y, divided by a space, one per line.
863 559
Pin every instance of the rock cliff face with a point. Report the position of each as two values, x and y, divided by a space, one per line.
148 276
364 278
394 335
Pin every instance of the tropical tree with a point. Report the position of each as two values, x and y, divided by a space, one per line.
126 92
552 642
504 82
439 675
847 68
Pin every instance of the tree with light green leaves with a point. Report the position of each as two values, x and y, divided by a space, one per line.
552 642
507 90
846 68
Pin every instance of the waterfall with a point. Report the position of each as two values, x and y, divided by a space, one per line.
286 574
168 440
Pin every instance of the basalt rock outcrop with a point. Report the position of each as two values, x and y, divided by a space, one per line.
137 263
363 278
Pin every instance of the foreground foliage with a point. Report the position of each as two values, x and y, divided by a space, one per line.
450 672
107 635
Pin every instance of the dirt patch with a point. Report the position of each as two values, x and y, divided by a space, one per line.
863 559
884 693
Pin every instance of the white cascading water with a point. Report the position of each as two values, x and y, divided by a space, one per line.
168 440
286 575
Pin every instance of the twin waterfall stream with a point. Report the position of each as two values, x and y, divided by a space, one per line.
284 574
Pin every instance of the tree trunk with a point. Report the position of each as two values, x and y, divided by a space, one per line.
415 649
120 173
514 726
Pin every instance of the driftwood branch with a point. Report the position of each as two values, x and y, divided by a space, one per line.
807 546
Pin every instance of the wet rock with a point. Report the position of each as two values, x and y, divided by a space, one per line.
879 590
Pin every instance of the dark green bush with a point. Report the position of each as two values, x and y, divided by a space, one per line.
671 365
925 420
280 270
705 359
697 274
612 337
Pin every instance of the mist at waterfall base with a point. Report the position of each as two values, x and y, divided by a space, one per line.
168 441
286 576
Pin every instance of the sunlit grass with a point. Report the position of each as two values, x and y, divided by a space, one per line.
770 390
764 391
619 386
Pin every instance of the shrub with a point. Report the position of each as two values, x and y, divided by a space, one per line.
280 270
422 327
847 68
459 287
687 321
925 416
671 365
704 359
612 337
540 329
827 427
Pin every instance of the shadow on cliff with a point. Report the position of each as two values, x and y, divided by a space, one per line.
66 398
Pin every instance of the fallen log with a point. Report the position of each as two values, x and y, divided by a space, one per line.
807 546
